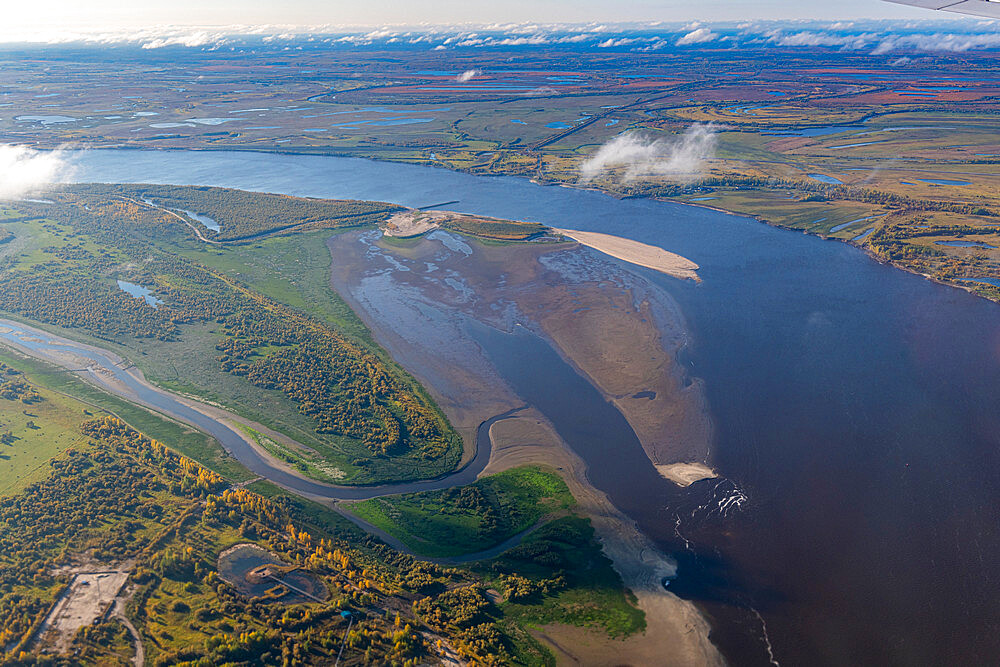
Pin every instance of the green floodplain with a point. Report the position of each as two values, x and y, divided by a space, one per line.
92 481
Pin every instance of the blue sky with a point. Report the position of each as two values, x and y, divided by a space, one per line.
28 15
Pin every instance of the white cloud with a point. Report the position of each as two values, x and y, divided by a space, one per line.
697 36
199 38
613 43
468 75
810 38
23 170
956 43
542 90
638 156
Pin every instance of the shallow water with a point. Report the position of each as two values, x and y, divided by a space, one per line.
823 178
965 244
857 428
943 181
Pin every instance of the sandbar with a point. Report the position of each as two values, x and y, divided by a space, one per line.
686 474
637 253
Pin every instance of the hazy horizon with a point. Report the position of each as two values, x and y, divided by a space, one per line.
35 20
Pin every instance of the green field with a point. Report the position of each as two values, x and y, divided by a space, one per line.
472 518
39 432
180 437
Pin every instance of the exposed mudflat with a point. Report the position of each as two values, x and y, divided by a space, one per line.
616 329
426 300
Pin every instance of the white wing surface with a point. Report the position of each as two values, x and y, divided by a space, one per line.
987 8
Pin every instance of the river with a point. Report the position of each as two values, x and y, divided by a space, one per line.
857 429
126 384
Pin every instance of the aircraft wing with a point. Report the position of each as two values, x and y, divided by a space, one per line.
987 8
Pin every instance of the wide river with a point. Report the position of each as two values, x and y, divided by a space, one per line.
856 411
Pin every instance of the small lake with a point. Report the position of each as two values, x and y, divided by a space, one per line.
823 178
45 120
558 125
989 281
863 143
845 225
816 131
965 244
203 219
943 181
139 292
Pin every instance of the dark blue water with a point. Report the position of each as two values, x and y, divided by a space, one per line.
855 408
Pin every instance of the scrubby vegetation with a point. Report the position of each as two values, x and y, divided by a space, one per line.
500 230
245 215
471 518
122 497
13 386
346 390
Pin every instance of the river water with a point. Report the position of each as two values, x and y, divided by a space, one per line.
855 406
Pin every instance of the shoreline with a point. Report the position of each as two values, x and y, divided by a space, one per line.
676 630
531 179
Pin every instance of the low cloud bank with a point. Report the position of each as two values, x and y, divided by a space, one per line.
637 156
697 36
24 171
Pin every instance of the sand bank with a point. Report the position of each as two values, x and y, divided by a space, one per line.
637 253
411 223
686 474
676 632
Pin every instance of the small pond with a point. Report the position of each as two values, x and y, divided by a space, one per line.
237 564
139 292
965 244
823 178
